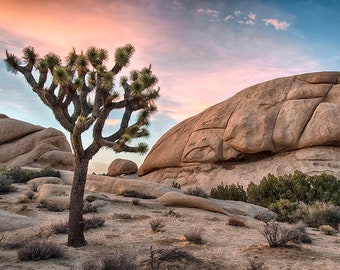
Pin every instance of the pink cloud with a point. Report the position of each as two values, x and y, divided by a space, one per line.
277 24
237 13
112 122
252 16
70 26
175 5
208 11
228 18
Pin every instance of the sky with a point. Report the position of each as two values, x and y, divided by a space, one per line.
202 52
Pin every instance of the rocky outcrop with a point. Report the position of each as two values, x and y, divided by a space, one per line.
56 197
24 144
12 221
122 166
276 126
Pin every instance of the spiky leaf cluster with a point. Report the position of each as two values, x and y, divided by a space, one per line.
85 76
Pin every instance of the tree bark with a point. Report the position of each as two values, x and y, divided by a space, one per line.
76 236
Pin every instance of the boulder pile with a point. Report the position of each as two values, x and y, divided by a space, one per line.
24 144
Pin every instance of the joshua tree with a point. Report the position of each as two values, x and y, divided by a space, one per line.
81 95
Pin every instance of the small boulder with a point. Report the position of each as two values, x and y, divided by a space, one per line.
11 221
122 166
36 183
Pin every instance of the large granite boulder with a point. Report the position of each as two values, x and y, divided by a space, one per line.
24 144
273 127
122 166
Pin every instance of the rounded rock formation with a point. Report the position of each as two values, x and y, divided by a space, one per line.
273 127
122 166
24 144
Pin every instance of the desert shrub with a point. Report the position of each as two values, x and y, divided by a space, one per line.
176 185
89 207
266 216
136 194
168 255
298 233
90 264
237 222
326 229
231 192
135 201
51 207
319 214
40 250
325 188
117 261
295 187
156 224
279 235
272 232
254 265
90 198
265 193
93 222
285 210
59 227
194 236
5 185
125 216
20 175
88 223
196 191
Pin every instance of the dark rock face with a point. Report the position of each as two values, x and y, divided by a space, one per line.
24 144
296 117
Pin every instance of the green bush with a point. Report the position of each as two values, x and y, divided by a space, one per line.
5 184
296 187
49 172
20 175
196 191
232 192
285 210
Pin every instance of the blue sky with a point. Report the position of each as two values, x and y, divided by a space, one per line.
203 52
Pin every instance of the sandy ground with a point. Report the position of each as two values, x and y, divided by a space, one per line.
127 229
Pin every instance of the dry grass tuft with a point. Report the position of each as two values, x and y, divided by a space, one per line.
194 236
236 222
156 224
116 261
40 250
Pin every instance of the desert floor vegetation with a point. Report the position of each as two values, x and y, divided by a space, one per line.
127 228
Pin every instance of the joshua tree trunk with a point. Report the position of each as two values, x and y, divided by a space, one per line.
76 236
